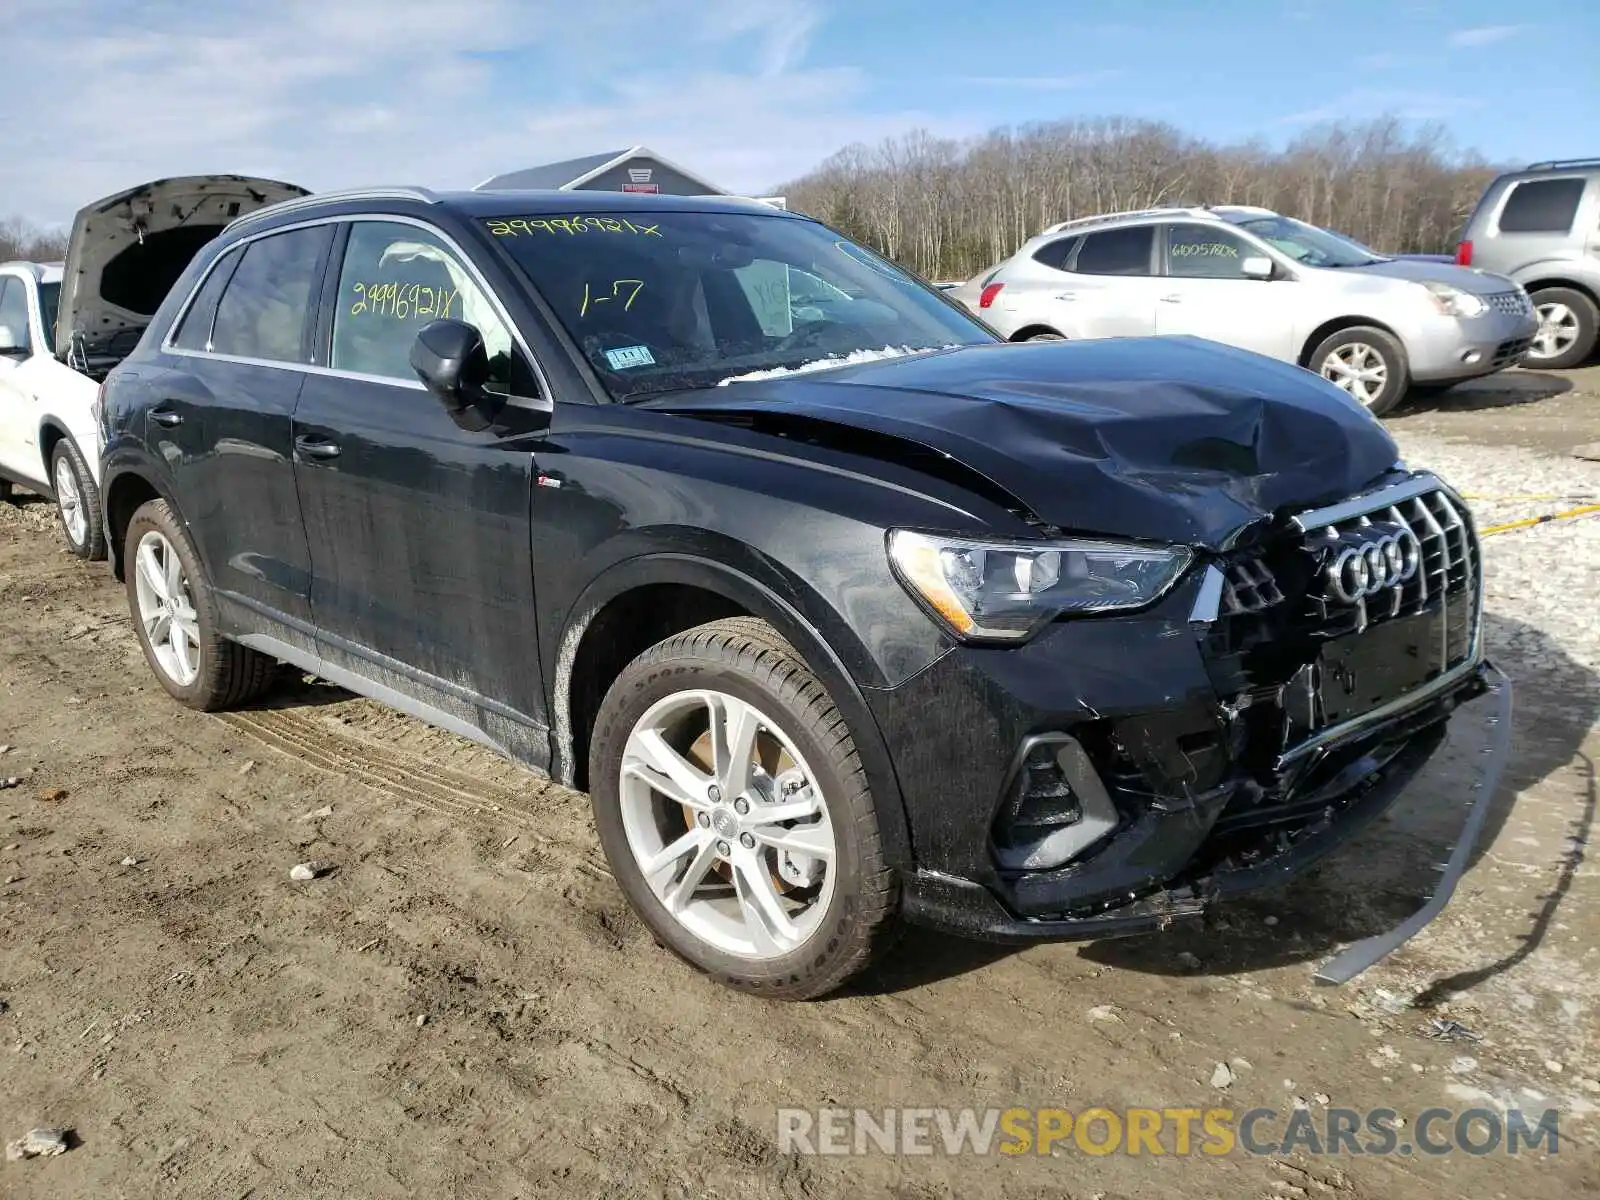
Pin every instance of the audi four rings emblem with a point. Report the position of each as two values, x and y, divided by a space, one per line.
1366 568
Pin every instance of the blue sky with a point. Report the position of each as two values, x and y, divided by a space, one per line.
330 93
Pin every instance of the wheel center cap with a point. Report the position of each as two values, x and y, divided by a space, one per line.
724 823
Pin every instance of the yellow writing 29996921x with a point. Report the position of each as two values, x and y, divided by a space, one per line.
574 225
402 300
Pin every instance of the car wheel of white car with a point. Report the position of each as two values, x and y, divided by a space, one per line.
1365 362
175 615
77 502
1567 328
735 813
1045 336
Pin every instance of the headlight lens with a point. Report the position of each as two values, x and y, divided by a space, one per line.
1003 591
1453 302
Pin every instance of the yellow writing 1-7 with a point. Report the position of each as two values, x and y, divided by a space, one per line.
632 288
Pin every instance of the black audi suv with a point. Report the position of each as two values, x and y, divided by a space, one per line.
840 609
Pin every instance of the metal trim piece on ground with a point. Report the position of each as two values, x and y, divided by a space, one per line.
1355 959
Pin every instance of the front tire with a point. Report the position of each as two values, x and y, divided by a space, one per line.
1366 363
1568 321
736 815
175 615
77 502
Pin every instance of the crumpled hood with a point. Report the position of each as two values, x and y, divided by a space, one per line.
1171 439
128 249
1468 279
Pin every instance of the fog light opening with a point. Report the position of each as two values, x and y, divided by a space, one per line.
1471 357
1055 806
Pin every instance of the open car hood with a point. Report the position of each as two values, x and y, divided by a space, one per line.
1171 439
127 251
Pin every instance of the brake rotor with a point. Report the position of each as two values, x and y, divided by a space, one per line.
774 760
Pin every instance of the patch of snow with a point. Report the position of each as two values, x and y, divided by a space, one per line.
823 364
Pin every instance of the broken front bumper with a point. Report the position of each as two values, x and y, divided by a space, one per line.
1199 819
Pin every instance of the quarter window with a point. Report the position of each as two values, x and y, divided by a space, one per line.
1055 254
1204 252
1116 252
14 310
263 309
395 279
194 331
1542 206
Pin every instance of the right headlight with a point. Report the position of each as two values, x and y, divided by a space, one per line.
993 590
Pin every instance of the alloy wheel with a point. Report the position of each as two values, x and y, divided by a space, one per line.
69 500
727 824
166 609
1358 369
1558 330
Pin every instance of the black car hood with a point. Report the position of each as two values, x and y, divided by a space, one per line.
1173 439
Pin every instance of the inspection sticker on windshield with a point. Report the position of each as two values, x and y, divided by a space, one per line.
630 356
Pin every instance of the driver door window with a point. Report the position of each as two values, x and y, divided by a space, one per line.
1206 252
395 279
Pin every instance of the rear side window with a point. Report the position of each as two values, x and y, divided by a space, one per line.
1055 254
265 306
1542 206
1117 252
194 330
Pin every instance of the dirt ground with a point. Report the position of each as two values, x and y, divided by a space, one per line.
464 1006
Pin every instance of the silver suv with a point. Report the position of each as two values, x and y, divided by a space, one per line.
1251 278
1541 226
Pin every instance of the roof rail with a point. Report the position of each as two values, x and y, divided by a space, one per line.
1201 212
1558 163
373 193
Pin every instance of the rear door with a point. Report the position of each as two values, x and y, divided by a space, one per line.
1206 294
1109 284
221 421
419 530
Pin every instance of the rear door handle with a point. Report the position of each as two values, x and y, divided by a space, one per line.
1172 299
314 447
165 416
1066 295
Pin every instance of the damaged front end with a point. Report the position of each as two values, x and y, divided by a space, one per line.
1331 647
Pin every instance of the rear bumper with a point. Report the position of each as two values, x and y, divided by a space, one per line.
1183 839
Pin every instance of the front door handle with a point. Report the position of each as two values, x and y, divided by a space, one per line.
1172 299
313 447
165 416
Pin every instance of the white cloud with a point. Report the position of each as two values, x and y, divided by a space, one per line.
330 93
1483 35
1044 83
1379 102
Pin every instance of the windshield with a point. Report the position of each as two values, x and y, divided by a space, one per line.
663 301
1308 244
49 302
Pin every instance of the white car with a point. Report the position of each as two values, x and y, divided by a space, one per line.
63 327
48 434
1250 278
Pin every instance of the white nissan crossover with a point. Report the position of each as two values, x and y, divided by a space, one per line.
1248 277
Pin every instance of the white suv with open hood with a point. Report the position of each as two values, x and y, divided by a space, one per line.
64 326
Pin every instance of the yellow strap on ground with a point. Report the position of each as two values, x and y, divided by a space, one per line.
1544 520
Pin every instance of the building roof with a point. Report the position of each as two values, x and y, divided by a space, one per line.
572 172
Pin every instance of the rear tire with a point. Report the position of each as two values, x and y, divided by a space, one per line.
1568 321
175 616
714 677
1367 364
77 502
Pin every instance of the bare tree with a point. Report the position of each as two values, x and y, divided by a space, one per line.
21 240
950 209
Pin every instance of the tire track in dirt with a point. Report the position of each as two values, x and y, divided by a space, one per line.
398 775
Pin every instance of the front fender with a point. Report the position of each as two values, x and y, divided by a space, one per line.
764 590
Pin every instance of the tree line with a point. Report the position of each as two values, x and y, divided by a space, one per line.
21 240
948 209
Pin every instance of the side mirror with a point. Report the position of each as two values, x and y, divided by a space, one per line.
1257 266
448 356
9 344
